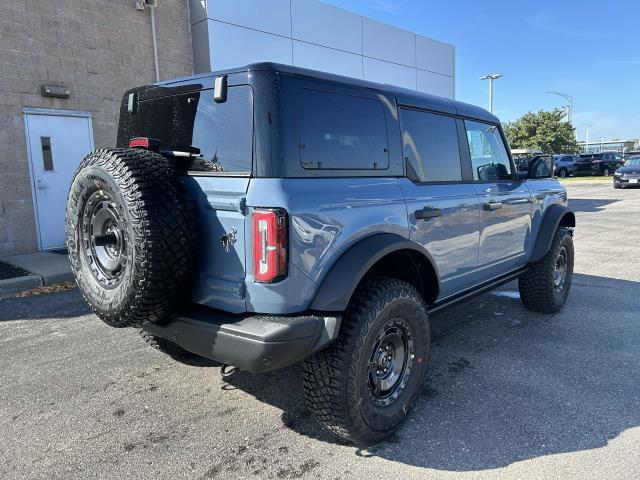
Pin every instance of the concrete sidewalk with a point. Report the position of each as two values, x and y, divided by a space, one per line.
44 268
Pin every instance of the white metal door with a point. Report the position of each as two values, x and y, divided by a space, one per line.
57 142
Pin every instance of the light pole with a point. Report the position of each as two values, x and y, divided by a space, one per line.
491 78
569 99
586 144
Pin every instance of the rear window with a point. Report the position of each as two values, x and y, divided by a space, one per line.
222 133
341 132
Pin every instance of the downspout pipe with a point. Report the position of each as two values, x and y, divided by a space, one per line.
155 41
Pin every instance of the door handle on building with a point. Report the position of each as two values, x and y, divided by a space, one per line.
40 185
428 212
492 205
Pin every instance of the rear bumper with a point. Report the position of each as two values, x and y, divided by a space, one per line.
253 343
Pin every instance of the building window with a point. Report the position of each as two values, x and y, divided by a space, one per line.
47 156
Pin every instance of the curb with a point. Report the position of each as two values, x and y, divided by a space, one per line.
57 278
14 285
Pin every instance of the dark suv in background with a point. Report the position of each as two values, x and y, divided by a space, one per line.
564 164
604 163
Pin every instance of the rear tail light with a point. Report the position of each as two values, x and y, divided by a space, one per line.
269 244
144 142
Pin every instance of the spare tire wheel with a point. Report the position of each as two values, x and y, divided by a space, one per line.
130 235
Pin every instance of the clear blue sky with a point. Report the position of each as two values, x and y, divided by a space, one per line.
588 49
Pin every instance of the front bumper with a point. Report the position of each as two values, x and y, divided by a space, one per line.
623 181
253 343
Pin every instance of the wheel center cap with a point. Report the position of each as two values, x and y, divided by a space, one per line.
385 358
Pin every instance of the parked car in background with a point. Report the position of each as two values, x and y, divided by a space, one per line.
627 155
604 163
628 174
564 164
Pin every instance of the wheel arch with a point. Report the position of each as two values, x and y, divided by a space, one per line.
385 254
555 216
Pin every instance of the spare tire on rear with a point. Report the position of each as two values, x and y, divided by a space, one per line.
130 234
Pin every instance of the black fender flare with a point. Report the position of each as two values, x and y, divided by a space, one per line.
338 285
555 216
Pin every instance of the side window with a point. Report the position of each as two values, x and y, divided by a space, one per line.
489 158
430 145
340 131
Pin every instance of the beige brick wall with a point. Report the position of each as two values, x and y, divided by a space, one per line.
98 48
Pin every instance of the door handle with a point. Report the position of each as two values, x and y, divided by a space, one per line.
40 185
428 212
492 205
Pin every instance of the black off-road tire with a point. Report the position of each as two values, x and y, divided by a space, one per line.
143 200
563 173
538 290
166 346
337 380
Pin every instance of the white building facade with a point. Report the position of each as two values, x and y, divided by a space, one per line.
311 34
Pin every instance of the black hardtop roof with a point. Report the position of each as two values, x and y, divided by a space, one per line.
404 96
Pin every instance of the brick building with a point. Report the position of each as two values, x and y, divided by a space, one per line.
95 49
65 64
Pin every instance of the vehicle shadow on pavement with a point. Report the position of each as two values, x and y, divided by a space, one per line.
506 384
591 205
68 304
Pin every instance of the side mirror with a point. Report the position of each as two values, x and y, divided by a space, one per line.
542 167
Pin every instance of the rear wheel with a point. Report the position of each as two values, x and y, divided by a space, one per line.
130 236
605 172
362 386
562 173
545 286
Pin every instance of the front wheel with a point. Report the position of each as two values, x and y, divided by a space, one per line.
606 172
562 173
362 386
545 286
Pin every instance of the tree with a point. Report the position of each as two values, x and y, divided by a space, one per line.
545 130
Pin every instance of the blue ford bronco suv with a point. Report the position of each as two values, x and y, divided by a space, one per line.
269 215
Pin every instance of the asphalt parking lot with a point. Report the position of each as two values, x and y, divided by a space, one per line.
509 393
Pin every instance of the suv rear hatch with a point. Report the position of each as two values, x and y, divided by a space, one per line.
214 141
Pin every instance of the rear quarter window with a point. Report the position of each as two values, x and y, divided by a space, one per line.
341 132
